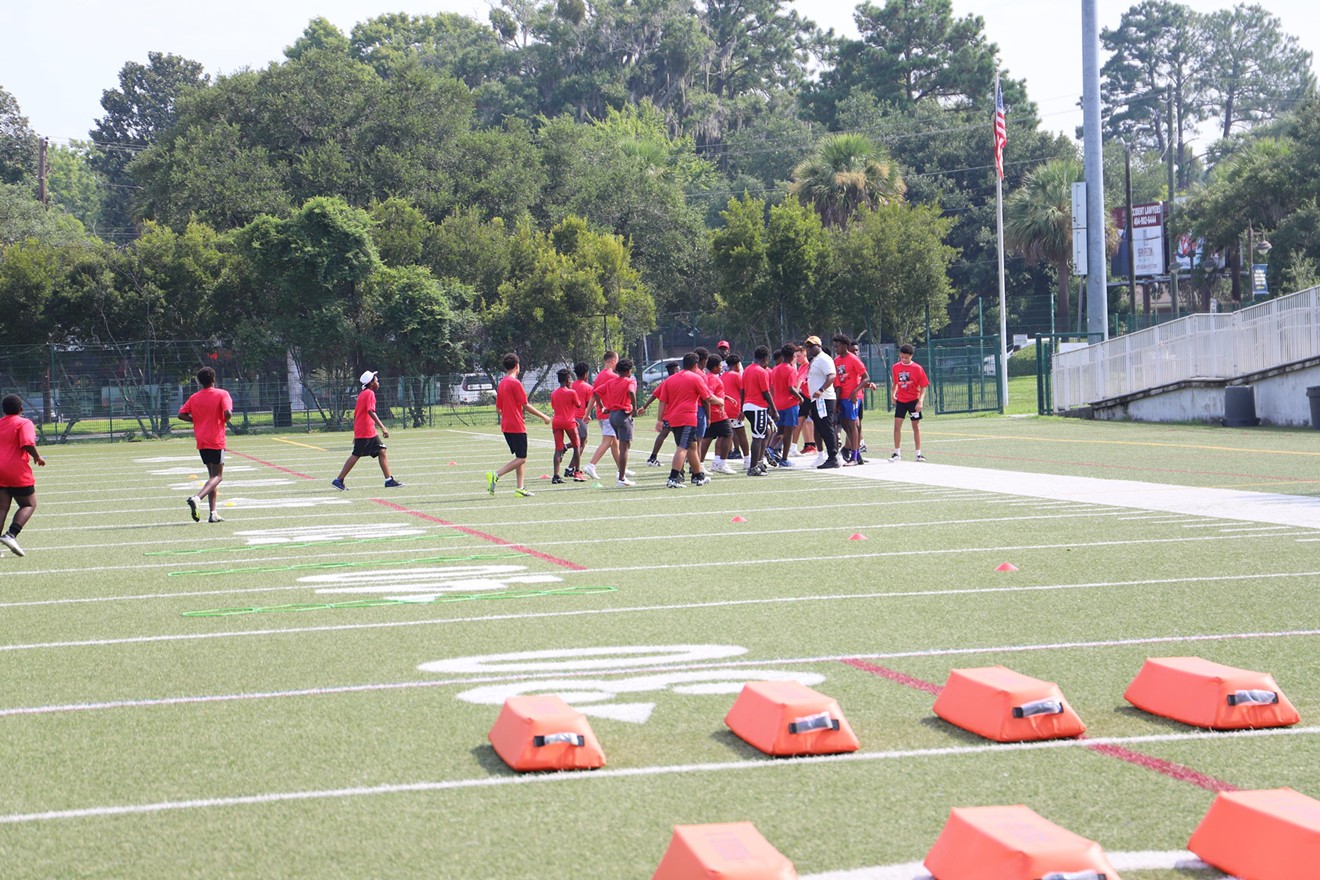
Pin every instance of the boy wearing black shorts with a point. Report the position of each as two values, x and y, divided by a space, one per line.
18 449
511 403
365 441
208 410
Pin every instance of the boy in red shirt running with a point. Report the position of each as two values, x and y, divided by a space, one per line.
908 393
566 402
511 402
681 395
619 399
18 448
365 441
208 410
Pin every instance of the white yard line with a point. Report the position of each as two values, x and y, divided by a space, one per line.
771 765
559 674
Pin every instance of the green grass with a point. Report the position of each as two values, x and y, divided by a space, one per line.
333 700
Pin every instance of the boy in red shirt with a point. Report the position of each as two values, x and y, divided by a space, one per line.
681 395
18 448
718 429
365 441
511 402
784 392
566 402
603 378
583 388
758 408
654 461
732 376
619 399
908 393
851 384
208 410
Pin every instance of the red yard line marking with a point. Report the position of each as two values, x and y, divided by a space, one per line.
545 557
1163 767
269 465
1150 762
895 676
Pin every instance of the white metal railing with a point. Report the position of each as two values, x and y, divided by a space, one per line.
1205 346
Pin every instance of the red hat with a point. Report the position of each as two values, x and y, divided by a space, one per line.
723 343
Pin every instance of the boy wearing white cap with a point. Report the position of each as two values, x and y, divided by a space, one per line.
365 440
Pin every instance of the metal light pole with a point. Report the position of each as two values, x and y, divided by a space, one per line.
1097 298
1131 253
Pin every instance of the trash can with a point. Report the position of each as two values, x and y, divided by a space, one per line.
1314 394
1240 407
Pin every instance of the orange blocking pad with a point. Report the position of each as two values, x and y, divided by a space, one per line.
545 733
1013 843
1006 706
1205 694
733 851
788 718
1260 835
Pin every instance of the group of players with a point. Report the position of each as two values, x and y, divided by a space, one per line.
785 404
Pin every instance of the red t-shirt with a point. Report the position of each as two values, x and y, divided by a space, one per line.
510 398
603 378
849 370
732 389
802 371
207 408
615 394
566 401
782 380
682 393
364 426
756 381
909 379
715 383
15 469
583 389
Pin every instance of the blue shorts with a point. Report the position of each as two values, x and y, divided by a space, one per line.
703 420
788 416
848 409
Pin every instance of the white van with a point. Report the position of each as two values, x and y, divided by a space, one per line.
474 388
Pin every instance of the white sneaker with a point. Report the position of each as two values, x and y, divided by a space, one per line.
674 484
624 484
795 453
12 543
897 456
920 457
820 460
629 473
590 470
723 468
215 517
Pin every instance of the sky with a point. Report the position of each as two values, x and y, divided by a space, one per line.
57 57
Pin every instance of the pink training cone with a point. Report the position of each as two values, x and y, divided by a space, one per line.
858 536
453 463
738 519
1007 566
544 477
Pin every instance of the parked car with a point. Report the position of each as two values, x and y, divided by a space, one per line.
474 388
655 371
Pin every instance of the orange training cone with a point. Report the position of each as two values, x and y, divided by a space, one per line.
788 718
1007 566
544 733
1012 843
857 536
732 851
1206 694
1263 835
452 463
1006 706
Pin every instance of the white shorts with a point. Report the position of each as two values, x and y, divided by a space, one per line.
606 429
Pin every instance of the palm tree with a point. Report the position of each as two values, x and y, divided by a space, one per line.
845 172
1038 220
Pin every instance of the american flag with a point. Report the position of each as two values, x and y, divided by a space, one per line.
1001 130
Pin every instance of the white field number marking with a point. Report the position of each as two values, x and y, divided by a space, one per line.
599 697
305 534
425 584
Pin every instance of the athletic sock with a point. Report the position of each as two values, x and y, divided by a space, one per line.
14 529
675 475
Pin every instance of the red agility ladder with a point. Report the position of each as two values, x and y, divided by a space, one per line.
730 851
544 733
1205 694
1006 706
1261 835
1013 843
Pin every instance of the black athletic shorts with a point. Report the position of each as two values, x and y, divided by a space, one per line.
367 447
19 491
757 422
683 435
212 456
517 444
622 424
903 408
719 429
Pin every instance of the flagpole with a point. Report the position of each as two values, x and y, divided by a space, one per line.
1003 310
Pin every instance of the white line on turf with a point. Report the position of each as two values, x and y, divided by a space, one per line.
1179 860
773 765
780 661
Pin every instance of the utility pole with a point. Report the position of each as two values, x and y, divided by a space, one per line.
41 170
1168 220
1097 296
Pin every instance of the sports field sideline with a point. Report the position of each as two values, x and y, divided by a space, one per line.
222 700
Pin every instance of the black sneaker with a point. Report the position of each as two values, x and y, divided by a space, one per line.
192 509
735 455
830 463
392 483
556 480
700 479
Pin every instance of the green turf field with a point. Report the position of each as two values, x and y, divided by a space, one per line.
305 689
